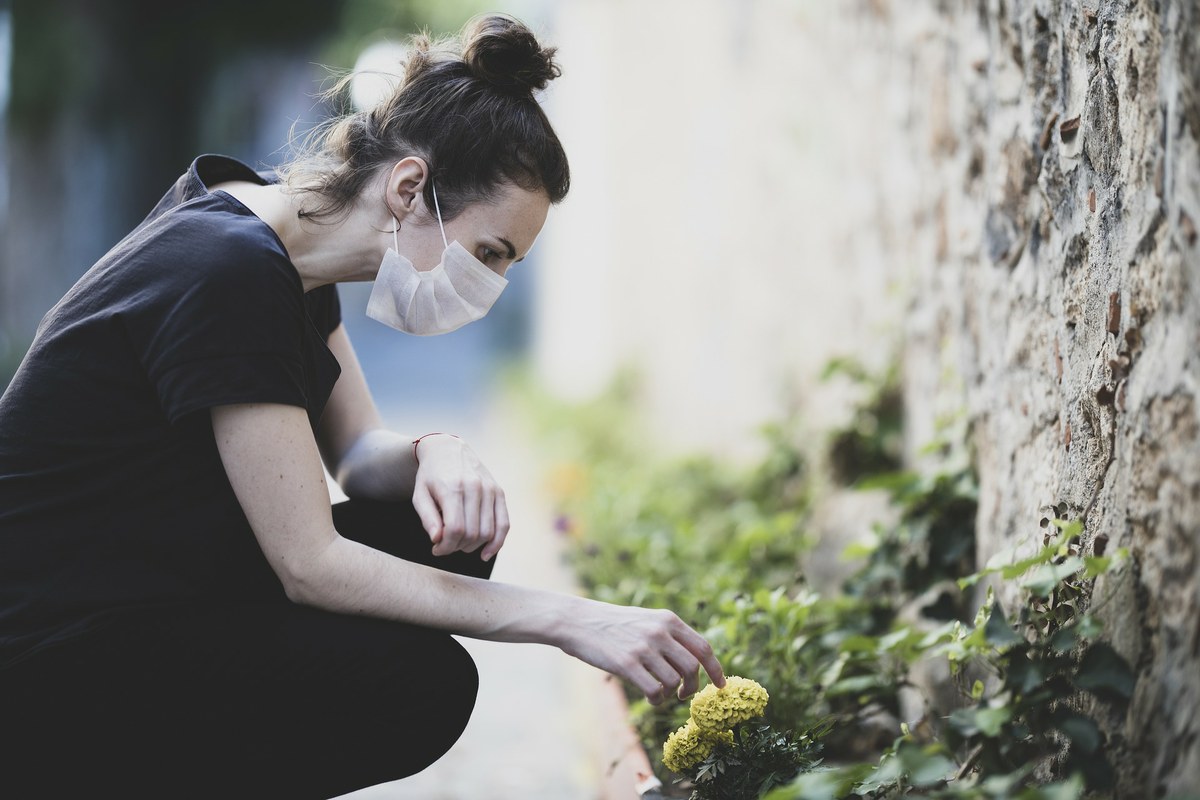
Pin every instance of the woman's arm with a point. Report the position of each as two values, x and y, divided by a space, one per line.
274 468
459 502
358 451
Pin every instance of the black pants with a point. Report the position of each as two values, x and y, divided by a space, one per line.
237 700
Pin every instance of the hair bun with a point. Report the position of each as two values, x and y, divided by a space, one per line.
504 52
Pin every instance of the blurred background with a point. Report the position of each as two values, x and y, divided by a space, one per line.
725 235
725 157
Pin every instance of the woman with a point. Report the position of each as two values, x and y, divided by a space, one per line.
182 613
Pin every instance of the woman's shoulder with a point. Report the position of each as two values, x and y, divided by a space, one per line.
200 247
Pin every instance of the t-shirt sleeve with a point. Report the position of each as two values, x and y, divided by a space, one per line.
324 308
225 325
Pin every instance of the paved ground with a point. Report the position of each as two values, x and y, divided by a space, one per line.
544 724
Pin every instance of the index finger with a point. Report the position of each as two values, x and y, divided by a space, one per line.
698 646
427 510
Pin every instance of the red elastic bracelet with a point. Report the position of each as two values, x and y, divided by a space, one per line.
417 440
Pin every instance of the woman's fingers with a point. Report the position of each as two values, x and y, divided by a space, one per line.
427 510
649 684
487 516
699 647
686 664
450 501
472 494
460 503
501 533
470 515
666 677
652 649
673 654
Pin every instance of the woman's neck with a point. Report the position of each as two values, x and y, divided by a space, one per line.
346 250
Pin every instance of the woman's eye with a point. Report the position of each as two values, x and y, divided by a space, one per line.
489 254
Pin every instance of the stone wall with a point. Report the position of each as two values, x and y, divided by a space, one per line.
1062 141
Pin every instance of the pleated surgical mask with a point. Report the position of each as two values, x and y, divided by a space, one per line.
460 289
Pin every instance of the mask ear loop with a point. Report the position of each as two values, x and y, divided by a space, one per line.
438 209
395 238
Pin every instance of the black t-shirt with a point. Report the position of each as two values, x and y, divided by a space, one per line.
112 492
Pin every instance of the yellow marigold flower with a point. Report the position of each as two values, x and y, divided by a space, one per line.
688 746
716 709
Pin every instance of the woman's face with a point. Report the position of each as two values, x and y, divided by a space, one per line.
499 232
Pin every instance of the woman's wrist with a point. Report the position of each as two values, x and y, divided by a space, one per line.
417 441
563 629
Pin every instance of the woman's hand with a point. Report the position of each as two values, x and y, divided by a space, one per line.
653 649
459 502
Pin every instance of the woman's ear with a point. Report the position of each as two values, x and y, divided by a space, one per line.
404 186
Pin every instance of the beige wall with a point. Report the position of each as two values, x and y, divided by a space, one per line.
724 231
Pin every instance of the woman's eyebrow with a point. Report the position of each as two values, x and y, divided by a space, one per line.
512 251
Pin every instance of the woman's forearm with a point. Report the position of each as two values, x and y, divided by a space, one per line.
651 648
352 578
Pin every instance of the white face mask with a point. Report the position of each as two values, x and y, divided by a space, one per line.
460 289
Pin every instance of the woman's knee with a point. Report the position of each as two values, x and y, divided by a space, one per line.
400 699
418 719
395 528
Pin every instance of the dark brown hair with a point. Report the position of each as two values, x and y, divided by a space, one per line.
465 105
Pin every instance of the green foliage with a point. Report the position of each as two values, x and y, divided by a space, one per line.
94 57
727 549
759 759
363 22
934 542
871 444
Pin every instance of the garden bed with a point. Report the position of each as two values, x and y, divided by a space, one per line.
853 697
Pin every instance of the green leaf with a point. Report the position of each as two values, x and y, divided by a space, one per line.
834 670
1103 672
987 721
822 784
1098 565
894 638
928 769
887 773
977 690
1064 639
1082 731
991 720
963 721
1070 789
856 685
1019 568
859 644
970 580
859 550
895 482
1024 675
998 631
1046 577
1005 785
1069 528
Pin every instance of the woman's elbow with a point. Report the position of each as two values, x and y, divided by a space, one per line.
305 581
